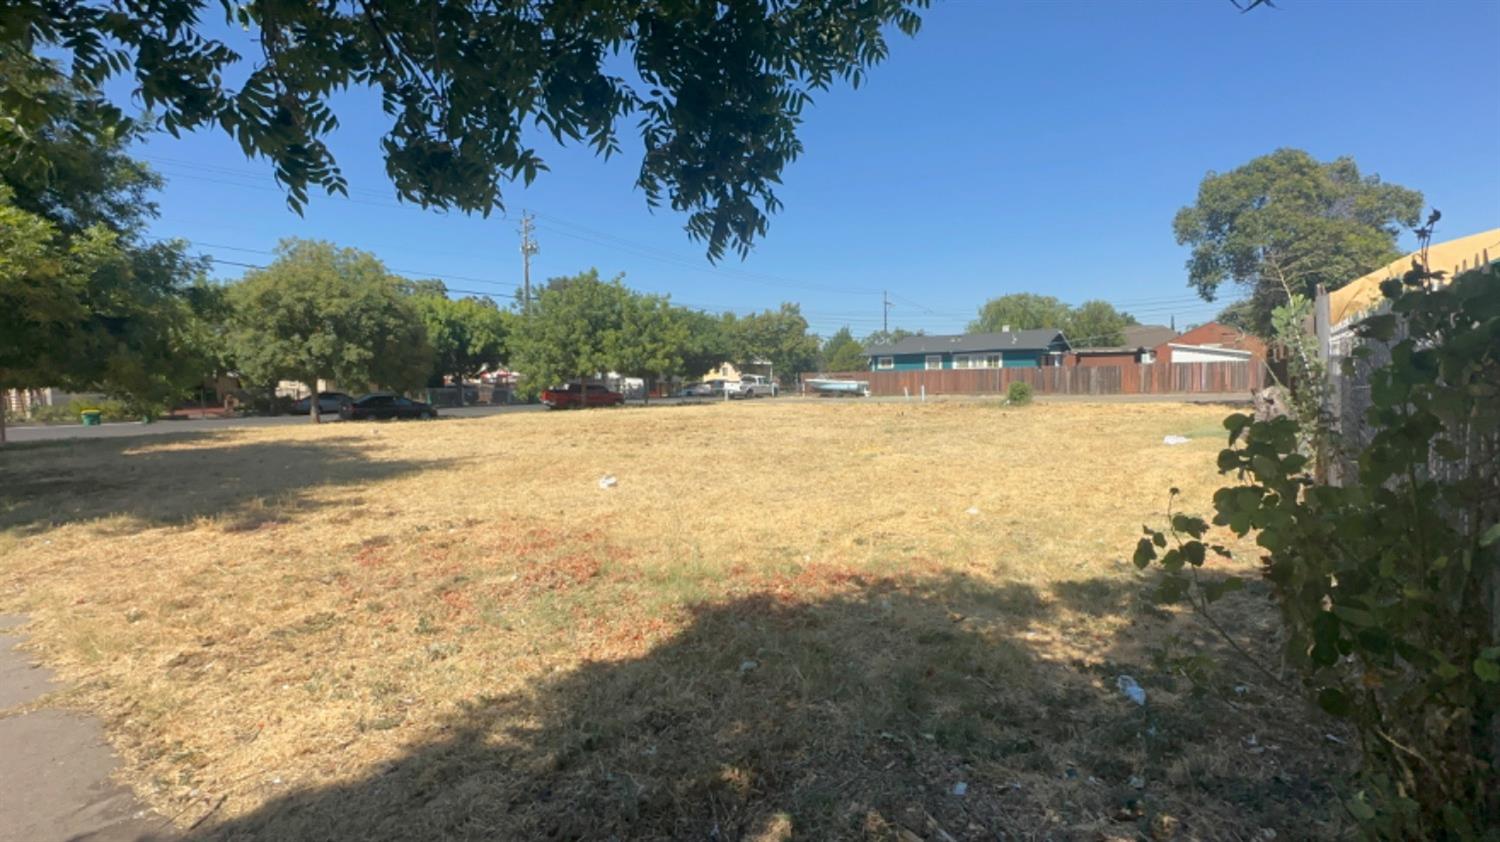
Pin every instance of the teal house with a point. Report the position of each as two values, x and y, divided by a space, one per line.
1006 349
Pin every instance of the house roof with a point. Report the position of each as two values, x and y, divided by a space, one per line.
1218 335
1039 339
1148 336
1136 337
1452 256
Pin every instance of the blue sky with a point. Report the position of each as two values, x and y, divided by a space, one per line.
1009 147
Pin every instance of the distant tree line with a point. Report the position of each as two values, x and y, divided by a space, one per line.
320 313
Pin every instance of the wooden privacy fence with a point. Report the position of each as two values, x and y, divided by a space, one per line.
1132 379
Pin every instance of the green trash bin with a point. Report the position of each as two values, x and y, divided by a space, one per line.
91 417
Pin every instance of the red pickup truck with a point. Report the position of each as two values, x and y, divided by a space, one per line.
573 396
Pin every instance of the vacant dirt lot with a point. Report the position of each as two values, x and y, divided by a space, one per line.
787 620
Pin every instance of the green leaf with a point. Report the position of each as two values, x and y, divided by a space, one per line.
1360 809
1457 823
1236 424
1159 539
1194 553
1172 589
1145 551
1334 701
1325 631
1381 327
1490 535
1194 526
1354 616
1487 670
1215 591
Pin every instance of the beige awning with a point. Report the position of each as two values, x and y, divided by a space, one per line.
1451 256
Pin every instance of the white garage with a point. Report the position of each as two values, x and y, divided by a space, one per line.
1207 354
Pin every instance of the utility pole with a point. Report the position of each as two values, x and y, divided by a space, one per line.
528 248
885 313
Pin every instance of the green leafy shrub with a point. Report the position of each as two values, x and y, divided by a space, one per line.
1019 393
1389 584
110 410
57 414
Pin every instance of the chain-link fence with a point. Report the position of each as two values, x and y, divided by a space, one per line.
483 394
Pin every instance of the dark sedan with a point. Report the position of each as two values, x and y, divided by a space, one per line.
385 406
329 403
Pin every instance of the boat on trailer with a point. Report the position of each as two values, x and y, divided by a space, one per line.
840 388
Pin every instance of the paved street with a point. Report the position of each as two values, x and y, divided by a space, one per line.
134 428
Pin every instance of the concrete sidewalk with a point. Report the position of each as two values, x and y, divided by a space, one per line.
55 766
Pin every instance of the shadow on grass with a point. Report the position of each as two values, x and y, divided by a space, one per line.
173 478
932 707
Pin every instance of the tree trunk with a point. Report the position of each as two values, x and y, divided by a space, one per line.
458 380
3 400
312 403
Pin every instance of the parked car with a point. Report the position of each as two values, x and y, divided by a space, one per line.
756 386
718 386
329 403
386 406
696 390
574 396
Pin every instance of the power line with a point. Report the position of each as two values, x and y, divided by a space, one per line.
1147 307
815 318
409 272
579 232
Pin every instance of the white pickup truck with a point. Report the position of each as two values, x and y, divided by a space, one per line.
755 386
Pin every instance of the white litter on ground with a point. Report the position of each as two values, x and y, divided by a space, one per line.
1176 440
1131 689
608 481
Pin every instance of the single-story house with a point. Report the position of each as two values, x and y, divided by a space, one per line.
730 371
1006 349
1212 343
1139 346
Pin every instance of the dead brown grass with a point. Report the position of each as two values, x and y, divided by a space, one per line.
789 620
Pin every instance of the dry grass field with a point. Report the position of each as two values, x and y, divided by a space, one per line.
789 619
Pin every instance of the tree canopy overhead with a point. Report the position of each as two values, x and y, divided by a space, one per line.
717 96
1286 223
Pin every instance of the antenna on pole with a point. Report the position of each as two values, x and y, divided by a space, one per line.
528 248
